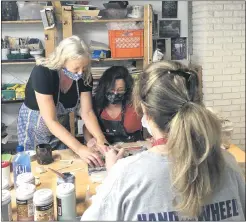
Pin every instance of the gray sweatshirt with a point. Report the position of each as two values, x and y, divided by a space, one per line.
138 188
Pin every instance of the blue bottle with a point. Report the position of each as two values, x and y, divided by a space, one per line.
21 163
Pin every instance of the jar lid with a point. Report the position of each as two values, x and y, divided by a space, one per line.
5 164
5 184
43 196
25 178
65 188
5 195
25 191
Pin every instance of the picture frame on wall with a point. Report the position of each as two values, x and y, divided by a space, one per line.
179 48
169 28
155 25
169 9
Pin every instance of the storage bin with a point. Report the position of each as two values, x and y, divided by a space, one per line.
8 94
29 10
126 43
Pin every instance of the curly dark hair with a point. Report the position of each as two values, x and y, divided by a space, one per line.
107 82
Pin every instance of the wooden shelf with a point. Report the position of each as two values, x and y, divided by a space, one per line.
108 20
22 22
116 59
9 62
12 101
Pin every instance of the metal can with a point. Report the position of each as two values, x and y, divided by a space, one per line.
66 202
69 178
43 205
24 202
6 206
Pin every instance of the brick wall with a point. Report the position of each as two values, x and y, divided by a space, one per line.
218 43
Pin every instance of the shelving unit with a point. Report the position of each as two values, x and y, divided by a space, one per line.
23 22
12 101
13 62
107 20
67 23
117 59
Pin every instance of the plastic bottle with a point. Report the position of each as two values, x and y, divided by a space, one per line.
21 163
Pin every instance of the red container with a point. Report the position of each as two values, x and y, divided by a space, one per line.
126 43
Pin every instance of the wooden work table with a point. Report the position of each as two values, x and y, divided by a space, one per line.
48 179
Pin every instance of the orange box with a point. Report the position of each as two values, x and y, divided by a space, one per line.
126 43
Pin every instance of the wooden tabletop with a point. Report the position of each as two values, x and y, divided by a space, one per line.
48 179
237 153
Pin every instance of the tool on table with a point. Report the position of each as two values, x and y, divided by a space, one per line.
57 173
63 168
67 161
76 169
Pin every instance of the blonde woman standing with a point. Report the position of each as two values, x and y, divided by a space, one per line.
55 87
185 175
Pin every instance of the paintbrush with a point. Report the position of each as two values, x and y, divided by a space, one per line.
57 173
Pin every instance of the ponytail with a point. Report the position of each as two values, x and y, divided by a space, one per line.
196 158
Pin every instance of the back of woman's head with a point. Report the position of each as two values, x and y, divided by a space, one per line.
107 83
70 48
170 96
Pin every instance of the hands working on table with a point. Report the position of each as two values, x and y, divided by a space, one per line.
98 150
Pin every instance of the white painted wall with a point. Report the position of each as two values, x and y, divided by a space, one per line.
219 46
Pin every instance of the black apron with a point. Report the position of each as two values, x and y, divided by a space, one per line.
115 132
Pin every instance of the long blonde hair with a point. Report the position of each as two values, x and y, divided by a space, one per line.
169 92
69 48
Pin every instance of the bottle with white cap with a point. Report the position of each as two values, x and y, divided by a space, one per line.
24 202
43 205
66 202
25 178
6 206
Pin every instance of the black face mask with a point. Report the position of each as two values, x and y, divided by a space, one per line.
114 98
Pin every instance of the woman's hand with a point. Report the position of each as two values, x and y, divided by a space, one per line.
90 157
111 157
102 145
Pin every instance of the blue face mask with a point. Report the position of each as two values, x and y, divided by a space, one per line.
71 75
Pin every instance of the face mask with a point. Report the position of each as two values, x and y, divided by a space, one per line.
114 98
71 75
146 125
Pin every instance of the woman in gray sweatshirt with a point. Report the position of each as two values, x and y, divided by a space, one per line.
185 175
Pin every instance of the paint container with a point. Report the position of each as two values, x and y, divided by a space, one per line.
44 154
6 206
5 184
43 205
24 202
6 171
69 178
25 178
66 202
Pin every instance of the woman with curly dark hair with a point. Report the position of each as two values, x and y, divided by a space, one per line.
112 105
